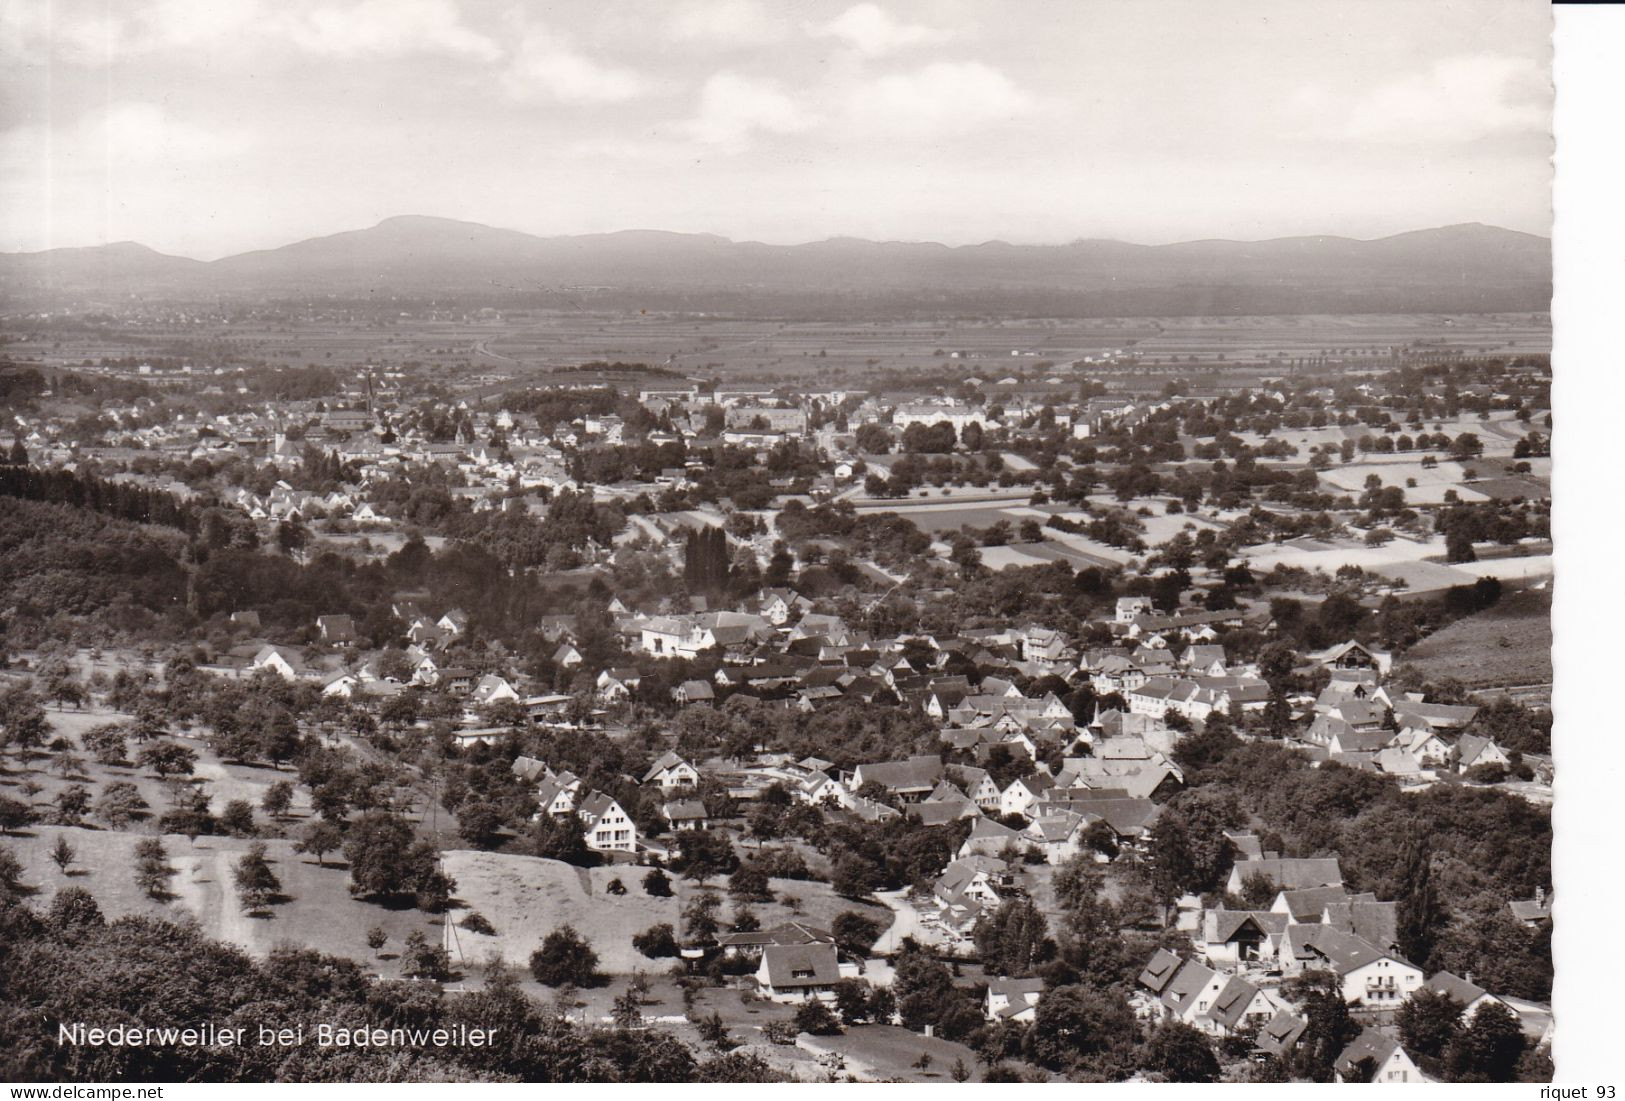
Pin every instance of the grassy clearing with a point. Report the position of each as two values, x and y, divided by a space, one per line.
1509 644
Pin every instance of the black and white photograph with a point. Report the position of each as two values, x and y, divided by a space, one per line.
774 541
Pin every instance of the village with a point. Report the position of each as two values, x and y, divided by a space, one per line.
1018 627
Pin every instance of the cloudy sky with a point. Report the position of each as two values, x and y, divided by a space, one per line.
206 127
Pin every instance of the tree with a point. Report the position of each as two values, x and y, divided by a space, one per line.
1421 915
657 884
855 876
422 960
1180 1053
11 870
119 803
72 804
855 933
704 854
1488 1049
15 814
657 941
817 1019
237 819
152 870
167 759
74 908
1429 1021
377 938
749 883
627 1009
256 883
320 837
1012 939
562 838
277 799
1077 1027
565 957
1330 1029
479 823
62 854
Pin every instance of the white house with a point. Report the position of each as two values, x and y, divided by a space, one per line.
608 828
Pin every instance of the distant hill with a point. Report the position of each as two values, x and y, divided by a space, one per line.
1460 268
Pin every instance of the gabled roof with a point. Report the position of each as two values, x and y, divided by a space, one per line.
1230 1004
1220 926
1159 971
1293 873
1308 904
1456 987
529 768
1379 1047
1281 1031
1342 952
1377 922
1186 984
667 760
794 966
915 774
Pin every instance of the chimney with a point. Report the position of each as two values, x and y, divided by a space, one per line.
1469 977
1540 896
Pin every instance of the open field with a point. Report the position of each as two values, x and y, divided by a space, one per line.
522 345
883 1053
523 897
1507 645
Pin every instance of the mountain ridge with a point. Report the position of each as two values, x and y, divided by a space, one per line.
1464 267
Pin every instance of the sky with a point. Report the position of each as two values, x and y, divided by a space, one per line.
209 127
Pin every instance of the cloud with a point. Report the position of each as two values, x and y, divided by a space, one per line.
870 30
118 173
546 66
125 135
734 107
389 28
101 34
1457 100
942 96
726 23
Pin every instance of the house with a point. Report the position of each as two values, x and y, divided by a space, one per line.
752 944
1281 1032
989 838
672 773
1468 993
1022 793
567 656
556 796
685 814
799 972
1013 999
337 630
284 661
1473 750
1231 938
694 691
607 827
1354 655
1533 912
490 689
617 684
342 684
978 879
1217 1003
1376 1057
1287 873
1369 975
1130 608
910 781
